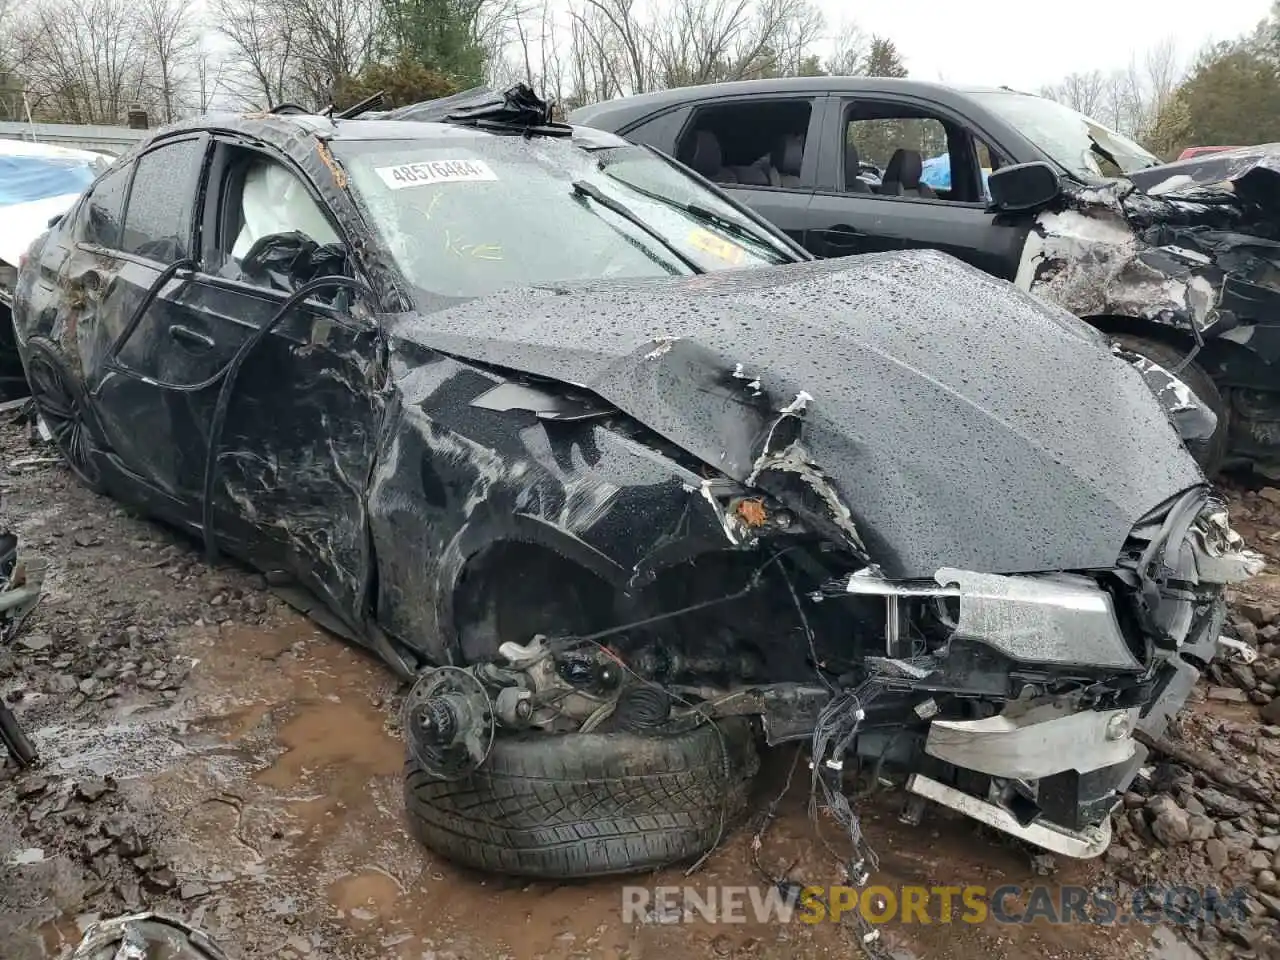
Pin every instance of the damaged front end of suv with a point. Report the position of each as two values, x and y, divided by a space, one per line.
983 568
1180 262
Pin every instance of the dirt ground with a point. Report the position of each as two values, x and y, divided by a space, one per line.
210 754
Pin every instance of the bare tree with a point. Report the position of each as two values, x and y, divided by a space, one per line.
706 41
170 36
85 61
849 55
331 40
207 80
1129 100
262 41
1164 71
1080 91
593 75
539 59
1117 108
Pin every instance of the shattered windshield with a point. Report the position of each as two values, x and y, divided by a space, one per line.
467 215
1080 144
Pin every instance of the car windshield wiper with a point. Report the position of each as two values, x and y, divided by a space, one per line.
728 225
703 215
582 188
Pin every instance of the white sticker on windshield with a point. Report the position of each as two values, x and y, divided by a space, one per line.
428 172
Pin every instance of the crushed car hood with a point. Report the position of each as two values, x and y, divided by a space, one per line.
1250 173
961 423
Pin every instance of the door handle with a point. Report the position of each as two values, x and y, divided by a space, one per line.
190 338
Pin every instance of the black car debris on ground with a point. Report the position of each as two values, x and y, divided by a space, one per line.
623 480
1180 262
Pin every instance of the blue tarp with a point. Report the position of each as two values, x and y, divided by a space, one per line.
27 178
936 172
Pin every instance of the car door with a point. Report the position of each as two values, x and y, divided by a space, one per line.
296 447
852 214
752 163
138 329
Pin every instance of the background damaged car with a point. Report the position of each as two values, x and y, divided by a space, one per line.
1178 262
585 451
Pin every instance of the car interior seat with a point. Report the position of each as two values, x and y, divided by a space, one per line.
788 158
902 176
853 167
708 159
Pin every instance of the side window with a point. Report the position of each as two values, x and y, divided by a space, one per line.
271 229
101 222
157 222
758 143
661 131
897 150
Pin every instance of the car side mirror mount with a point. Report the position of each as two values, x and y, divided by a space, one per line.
1024 187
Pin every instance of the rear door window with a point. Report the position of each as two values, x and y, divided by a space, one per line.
102 215
751 143
660 132
158 219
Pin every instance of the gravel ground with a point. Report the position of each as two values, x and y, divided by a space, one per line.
212 755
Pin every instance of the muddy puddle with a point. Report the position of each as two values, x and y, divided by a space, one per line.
273 786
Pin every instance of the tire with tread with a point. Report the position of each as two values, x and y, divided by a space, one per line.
560 806
1209 454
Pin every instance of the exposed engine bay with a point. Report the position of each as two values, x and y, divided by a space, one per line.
1012 699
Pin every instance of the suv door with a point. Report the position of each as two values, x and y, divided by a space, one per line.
929 193
761 150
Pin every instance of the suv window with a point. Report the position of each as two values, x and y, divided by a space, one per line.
661 132
897 150
157 221
102 213
759 143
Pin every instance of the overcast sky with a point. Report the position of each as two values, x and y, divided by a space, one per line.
1026 44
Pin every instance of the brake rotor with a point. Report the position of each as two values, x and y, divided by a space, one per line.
449 723
146 936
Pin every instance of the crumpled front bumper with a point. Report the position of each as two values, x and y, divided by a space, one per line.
1052 776
1050 766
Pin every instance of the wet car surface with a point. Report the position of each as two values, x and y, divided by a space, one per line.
1176 261
630 477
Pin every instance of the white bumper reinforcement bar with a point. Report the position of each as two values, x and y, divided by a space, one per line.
1082 845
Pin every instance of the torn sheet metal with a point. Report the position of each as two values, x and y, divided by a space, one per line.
1193 245
1193 420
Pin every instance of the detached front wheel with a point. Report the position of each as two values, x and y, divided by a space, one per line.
561 806
63 405
1209 453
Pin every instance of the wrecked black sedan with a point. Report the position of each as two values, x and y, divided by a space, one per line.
1177 262
591 455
